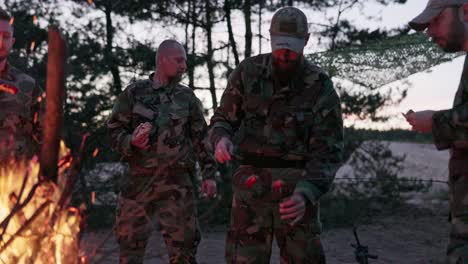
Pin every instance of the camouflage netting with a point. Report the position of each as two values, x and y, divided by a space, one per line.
377 63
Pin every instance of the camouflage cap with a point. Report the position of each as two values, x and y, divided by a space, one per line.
289 29
432 10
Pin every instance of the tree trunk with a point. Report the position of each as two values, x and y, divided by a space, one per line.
260 9
191 52
336 28
186 28
247 9
209 55
113 67
232 41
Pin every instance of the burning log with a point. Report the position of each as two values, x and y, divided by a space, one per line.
54 105
26 225
72 174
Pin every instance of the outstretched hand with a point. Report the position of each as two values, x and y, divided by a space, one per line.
223 150
293 207
420 121
208 188
140 136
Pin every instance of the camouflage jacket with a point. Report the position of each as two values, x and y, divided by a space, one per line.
21 115
179 128
299 122
450 127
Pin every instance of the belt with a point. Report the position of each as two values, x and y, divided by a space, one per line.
271 162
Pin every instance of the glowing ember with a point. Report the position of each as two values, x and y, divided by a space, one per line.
41 97
33 45
251 181
40 232
277 185
8 88
96 152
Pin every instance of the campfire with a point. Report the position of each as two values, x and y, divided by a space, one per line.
35 227
38 226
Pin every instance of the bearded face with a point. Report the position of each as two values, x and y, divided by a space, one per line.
448 30
173 64
285 62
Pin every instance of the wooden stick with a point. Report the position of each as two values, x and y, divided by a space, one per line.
26 225
54 105
5 222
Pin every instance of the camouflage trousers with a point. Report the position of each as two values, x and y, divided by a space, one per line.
255 221
171 198
457 250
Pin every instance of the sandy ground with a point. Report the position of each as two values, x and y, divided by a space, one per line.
410 238
422 161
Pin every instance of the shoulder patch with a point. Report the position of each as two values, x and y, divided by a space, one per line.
138 86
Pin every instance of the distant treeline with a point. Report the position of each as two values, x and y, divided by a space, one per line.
401 135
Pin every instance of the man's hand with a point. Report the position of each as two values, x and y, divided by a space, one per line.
420 121
208 188
223 150
293 207
140 136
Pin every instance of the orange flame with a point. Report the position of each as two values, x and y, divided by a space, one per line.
96 152
31 236
33 45
74 210
8 88
93 197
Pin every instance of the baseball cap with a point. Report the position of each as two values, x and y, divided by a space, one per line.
432 10
289 29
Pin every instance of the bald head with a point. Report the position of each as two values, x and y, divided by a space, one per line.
171 60
168 47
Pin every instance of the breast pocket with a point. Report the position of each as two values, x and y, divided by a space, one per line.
304 120
177 127
142 114
179 118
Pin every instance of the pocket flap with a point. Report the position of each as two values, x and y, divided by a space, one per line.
179 113
141 110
